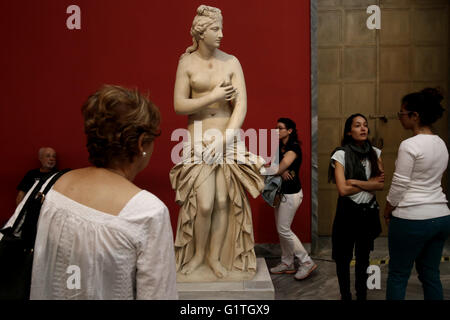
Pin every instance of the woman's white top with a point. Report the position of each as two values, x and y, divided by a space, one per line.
416 185
82 253
363 196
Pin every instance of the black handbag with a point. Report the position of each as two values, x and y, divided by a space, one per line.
17 244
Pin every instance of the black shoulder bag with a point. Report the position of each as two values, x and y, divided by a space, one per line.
17 244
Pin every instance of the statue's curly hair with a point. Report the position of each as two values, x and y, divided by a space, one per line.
206 15
114 119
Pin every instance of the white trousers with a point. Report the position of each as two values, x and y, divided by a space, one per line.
290 244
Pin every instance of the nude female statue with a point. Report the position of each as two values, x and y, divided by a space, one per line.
214 224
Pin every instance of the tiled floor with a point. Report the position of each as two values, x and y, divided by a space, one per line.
323 284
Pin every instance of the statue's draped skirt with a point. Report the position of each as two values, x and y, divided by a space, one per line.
238 248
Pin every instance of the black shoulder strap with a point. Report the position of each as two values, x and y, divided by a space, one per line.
20 217
34 195
52 182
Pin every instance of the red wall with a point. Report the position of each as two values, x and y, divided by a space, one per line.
47 72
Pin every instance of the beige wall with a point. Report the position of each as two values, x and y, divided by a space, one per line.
368 71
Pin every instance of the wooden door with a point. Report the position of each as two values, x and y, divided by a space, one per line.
369 71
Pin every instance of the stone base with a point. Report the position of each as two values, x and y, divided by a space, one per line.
259 288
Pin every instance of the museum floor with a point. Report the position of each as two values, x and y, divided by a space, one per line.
323 284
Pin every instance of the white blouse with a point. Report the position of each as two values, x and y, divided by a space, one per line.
416 188
82 253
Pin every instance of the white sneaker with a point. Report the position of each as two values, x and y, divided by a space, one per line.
305 269
283 268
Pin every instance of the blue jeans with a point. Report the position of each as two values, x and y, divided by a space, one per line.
419 241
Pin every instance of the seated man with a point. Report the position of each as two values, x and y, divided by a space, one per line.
47 157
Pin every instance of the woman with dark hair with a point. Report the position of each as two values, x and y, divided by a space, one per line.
357 170
100 236
416 208
290 160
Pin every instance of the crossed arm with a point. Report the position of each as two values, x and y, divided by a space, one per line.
347 187
281 170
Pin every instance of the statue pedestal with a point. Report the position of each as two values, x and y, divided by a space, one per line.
259 288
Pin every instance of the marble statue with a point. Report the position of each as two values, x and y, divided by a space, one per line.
214 232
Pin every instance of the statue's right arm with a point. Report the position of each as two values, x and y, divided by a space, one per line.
183 102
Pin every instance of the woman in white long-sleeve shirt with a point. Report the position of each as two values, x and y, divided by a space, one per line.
99 235
416 208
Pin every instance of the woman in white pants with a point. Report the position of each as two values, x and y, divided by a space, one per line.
290 157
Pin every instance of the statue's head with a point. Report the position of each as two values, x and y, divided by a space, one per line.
205 17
